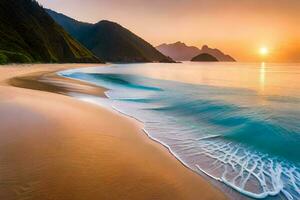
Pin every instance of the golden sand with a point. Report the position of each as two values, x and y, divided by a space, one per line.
56 147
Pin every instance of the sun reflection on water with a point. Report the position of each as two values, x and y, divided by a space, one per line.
262 78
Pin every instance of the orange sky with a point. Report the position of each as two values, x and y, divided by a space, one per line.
238 27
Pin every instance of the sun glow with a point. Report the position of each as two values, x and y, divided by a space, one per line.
263 51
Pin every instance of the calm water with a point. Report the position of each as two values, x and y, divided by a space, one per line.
237 123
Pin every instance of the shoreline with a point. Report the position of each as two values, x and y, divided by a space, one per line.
231 192
175 181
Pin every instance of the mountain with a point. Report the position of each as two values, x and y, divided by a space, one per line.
29 34
178 51
110 41
181 52
204 57
217 54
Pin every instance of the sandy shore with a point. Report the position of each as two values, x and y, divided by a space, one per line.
55 147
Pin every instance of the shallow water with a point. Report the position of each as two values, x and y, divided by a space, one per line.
237 123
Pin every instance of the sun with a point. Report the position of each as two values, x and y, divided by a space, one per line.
263 51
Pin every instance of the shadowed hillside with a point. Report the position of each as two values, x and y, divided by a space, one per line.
110 41
29 34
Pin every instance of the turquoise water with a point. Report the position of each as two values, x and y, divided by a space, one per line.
237 123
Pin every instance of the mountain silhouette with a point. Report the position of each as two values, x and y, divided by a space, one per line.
110 41
179 51
217 54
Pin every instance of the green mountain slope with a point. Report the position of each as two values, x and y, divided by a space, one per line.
29 34
110 41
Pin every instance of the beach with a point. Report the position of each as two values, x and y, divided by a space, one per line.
53 146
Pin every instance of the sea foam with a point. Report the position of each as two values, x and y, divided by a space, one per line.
218 131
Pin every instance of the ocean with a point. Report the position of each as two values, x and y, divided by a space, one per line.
238 123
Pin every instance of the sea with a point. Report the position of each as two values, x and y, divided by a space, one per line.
236 123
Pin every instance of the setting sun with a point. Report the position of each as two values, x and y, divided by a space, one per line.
263 51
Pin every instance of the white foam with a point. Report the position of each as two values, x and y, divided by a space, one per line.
249 172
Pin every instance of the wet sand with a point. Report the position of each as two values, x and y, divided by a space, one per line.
53 146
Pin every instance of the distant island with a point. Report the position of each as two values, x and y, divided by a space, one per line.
204 57
110 41
179 51
218 54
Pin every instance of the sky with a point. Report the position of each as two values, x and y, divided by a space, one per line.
237 27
